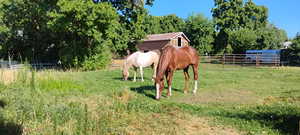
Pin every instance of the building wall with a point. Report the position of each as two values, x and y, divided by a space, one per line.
152 45
174 41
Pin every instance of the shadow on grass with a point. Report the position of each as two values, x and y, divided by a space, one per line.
149 91
283 119
10 128
2 104
130 79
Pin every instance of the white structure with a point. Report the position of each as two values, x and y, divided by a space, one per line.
265 56
286 44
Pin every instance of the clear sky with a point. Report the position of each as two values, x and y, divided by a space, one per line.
285 14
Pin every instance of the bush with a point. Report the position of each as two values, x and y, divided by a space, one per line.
99 60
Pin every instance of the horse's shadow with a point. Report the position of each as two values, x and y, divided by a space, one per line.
130 78
149 91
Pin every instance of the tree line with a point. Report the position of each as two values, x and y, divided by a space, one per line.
88 33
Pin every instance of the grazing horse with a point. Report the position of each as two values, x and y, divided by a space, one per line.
175 58
139 60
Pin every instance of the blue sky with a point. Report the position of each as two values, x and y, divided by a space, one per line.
285 14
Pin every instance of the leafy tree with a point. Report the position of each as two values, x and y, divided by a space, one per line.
163 24
233 15
254 16
242 40
171 23
270 37
86 31
200 31
293 52
27 26
152 24
132 15
4 31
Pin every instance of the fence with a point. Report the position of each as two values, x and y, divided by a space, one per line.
244 59
38 66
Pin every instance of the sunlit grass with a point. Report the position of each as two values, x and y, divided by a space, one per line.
230 100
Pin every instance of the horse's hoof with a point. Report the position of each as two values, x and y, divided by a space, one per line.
194 92
185 92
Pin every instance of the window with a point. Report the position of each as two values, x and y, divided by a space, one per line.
179 41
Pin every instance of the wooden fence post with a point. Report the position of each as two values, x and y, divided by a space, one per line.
257 60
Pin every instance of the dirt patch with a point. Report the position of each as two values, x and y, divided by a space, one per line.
201 126
178 124
271 99
228 96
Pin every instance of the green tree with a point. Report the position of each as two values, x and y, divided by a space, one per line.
171 23
242 40
233 15
152 24
26 22
163 24
293 52
86 31
270 37
200 31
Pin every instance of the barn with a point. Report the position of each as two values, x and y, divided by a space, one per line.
158 41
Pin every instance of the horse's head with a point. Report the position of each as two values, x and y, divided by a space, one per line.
125 74
159 83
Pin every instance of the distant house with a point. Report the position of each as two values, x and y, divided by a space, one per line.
159 41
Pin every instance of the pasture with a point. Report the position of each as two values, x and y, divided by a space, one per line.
231 100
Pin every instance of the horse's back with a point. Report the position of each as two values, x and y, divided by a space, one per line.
181 57
145 59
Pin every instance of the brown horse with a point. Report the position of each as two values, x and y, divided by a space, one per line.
174 58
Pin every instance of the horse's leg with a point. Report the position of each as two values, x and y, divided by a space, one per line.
154 71
134 74
195 69
141 71
186 79
169 79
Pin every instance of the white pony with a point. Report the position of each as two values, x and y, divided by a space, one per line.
139 60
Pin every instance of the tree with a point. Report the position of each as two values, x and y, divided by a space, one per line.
233 15
200 31
242 40
270 37
152 24
163 24
26 26
171 23
293 52
86 32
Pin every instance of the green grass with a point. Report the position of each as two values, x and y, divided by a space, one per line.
230 100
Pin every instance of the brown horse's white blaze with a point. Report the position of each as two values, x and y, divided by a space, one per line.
174 58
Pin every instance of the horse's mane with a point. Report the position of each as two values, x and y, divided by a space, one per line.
164 60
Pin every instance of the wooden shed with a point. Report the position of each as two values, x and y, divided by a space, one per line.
158 41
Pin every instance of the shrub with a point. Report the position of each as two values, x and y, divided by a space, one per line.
99 60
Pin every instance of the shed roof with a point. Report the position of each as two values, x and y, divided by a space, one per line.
165 36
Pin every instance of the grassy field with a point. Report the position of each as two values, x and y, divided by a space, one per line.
231 100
